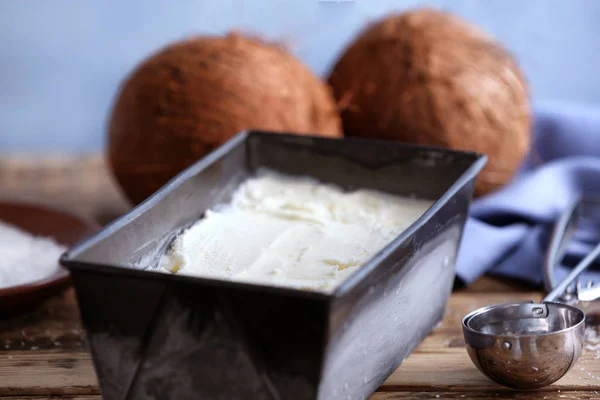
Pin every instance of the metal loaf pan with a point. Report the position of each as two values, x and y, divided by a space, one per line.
155 335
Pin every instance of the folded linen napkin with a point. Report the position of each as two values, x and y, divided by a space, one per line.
508 231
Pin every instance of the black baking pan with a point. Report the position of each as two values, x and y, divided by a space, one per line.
155 335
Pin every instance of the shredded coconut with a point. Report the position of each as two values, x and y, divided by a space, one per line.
592 348
25 258
592 341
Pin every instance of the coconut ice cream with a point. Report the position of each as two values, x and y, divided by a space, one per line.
289 231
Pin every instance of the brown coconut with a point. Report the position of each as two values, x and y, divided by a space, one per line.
193 95
427 77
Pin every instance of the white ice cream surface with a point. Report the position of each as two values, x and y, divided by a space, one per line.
289 231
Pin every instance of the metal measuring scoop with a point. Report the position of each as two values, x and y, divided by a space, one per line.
528 345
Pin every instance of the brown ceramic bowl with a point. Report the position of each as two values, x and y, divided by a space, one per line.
64 228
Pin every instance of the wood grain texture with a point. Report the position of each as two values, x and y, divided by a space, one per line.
489 395
43 352
54 325
47 372
63 397
583 395
34 364
79 184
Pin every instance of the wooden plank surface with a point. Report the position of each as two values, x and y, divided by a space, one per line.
579 395
43 352
76 184
64 397
489 395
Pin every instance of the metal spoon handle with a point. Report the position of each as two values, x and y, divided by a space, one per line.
563 231
583 264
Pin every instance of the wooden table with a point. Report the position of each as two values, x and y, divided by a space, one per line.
43 352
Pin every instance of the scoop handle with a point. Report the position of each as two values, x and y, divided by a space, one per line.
583 264
563 230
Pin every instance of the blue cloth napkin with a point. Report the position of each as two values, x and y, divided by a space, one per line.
508 231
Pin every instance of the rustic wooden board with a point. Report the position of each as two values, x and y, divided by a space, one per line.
487 395
583 395
64 397
47 373
43 353
74 183
46 355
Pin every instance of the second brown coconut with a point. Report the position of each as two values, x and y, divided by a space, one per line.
427 77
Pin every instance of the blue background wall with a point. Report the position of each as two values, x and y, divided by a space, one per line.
62 60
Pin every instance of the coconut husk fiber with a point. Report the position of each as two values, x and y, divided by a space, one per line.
191 96
427 77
